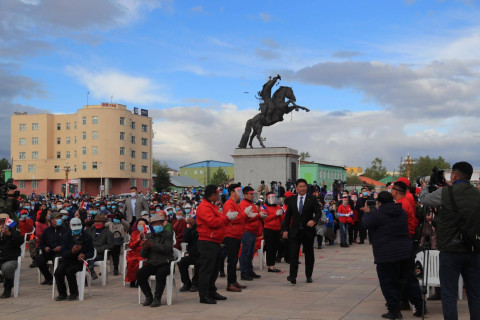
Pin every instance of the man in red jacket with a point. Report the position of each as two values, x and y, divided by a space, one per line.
233 234
252 224
211 231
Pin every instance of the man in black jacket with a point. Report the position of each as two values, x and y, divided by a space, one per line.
77 247
102 240
389 229
10 248
190 236
50 245
303 213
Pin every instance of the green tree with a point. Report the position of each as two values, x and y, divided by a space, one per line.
423 166
219 177
354 180
304 156
376 171
162 179
4 164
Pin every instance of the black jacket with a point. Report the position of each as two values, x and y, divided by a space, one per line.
190 236
68 241
10 246
102 241
161 251
294 222
389 227
52 237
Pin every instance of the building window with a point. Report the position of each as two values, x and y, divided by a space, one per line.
34 126
122 151
94 135
133 182
94 150
144 141
122 165
75 125
35 140
94 165
59 140
21 184
144 155
56 169
75 154
186 172
59 155
23 127
94 120
67 140
35 155
59 126
68 155
75 139
84 120
122 121
68 125
21 155
133 168
84 135
195 172
84 166
122 135
144 169
84 150
144 128
34 184
145 183
19 168
132 139
133 124
75 167
132 153
22 141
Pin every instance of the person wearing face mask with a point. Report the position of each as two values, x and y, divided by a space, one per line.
137 237
102 240
190 236
179 225
118 227
157 249
77 247
134 206
25 224
272 215
345 214
10 249
361 201
50 245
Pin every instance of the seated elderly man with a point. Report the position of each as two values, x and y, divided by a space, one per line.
10 248
77 246
190 236
102 240
50 245
158 250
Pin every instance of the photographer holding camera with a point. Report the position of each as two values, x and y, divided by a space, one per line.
459 211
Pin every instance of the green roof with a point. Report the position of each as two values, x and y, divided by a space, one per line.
387 179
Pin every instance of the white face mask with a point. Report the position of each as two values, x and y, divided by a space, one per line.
59 206
133 194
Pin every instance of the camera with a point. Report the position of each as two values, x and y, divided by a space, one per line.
437 178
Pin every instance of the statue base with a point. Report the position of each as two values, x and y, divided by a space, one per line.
269 164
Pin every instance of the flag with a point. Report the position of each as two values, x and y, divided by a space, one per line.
85 205
10 223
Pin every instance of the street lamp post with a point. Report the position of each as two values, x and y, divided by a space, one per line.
67 169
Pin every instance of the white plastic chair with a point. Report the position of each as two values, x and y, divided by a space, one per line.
103 267
50 265
260 255
184 248
16 279
24 245
171 285
124 264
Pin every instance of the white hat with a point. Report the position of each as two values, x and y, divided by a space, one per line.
75 224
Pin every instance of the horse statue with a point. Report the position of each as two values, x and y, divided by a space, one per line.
272 111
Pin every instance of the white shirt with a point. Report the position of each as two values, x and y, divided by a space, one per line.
133 202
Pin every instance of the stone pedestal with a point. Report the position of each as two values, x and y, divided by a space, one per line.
268 164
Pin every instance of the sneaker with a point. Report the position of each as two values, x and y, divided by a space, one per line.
72 297
115 272
155 303
94 275
148 301
61 297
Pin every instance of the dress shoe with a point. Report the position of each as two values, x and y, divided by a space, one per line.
115 272
61 297
254 275
392 315
246 277
185 287
94 275
292 280
133 284
208 300
309 280
72 297
6 293
155 303
239 286
274 270
148 301
47 283
233 288
194 288
33 265
218 296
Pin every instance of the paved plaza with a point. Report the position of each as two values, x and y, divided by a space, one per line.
345 286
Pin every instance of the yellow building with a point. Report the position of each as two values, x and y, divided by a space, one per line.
101 144
354 170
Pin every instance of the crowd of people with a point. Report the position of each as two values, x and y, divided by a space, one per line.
223 226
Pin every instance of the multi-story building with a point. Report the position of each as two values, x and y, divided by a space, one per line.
105 148
203 171
324 174
354 170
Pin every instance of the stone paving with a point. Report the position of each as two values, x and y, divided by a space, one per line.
345 286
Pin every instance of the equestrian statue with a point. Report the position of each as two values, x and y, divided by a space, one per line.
272 109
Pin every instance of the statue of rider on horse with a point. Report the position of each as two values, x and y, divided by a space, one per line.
272 109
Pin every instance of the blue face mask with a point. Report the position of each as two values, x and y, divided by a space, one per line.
24 216
157 229
109 206
140 228
93 212
116 220
68 208
59 222
365 193
76 232
27 208
53 207
114 207
102 208
187 210
64 217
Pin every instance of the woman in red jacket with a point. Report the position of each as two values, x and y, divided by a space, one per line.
272 214
133 255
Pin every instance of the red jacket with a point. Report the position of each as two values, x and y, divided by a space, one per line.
179 227
345 210
251 224
272 221
25 226
409 206
235 227
210 222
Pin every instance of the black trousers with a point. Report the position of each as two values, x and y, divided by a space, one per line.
306 241
160 272
183 266
115 252
42 259
233 247
67 269
271 244
208 261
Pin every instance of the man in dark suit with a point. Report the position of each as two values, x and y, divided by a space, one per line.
303 213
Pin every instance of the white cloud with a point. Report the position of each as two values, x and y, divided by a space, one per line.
266 17
123 87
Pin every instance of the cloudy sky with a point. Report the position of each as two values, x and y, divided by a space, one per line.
382 78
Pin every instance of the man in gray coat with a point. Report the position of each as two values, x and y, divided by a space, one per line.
134 206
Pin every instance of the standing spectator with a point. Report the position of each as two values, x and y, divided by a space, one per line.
345 214
262 189
252 223
134 206
272 215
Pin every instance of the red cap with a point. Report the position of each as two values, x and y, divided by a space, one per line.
288 194
404 180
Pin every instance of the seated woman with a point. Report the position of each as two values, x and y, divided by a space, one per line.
133 255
